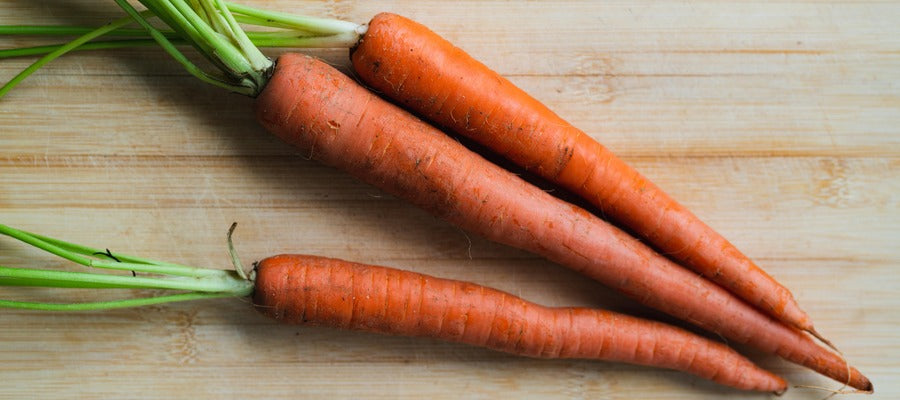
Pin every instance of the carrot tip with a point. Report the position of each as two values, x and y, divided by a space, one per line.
864 388
870 389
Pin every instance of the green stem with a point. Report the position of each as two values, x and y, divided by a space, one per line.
86 256
222 50
212 27
210 15
106 305
340 40
52 30
167 45
96 45
284 39
198 282
256 58
62 50
50 278
49 30
302 22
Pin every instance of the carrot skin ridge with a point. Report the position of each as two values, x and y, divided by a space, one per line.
331 118
329 292
439 82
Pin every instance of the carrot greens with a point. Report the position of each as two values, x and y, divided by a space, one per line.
62 50
212 27
192 283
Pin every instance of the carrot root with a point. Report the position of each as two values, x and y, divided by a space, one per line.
332 118
341 294
441 83
835 392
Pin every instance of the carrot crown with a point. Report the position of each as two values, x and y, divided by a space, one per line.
189 283
212 27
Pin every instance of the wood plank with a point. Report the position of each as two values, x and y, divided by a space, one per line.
633 115
774 121
839 206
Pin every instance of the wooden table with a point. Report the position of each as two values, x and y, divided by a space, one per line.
778 123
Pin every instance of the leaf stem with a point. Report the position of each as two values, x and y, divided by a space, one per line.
50 278
211 26
65 30
105 305
85 256
198 282
167 45
293 21
256 58
259 39
62 50
96 45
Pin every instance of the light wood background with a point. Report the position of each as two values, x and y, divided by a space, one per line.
777 122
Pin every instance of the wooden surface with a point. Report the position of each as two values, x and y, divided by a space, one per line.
777 122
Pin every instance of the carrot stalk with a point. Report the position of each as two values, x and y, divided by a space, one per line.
346 295
195 283
108 305
231 49
94 45
331 118
59 51
259 39
426 74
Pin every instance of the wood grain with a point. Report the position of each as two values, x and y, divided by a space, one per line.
777 122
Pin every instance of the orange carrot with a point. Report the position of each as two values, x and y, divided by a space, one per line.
441 83
342 294
331 118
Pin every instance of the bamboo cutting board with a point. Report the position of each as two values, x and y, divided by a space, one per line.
776 122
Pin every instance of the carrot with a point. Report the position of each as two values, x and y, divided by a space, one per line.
426 74
335 293
342 294
331 118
